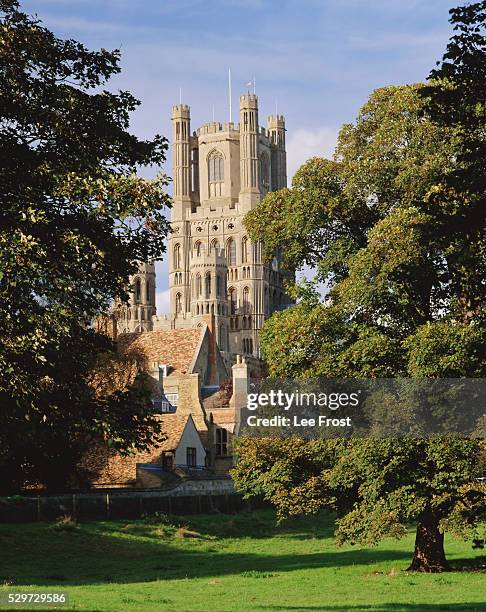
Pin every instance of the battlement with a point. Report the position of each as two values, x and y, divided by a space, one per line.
181 110
215 127
276 121
248 100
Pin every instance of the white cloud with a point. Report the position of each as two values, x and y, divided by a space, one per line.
306 143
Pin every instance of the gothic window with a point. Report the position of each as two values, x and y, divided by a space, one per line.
218 286
178 303
215 173
138 290
198 286
231 252
195 169
222 337
208 285
198 248
264 172
147 290
177 256
232 296
246 300
215 246
244 249
216 167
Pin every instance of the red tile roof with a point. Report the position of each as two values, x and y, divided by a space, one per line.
175 347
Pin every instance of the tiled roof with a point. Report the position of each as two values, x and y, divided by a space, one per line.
224 417
175 347
172 428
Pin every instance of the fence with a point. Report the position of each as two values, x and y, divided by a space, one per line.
114 505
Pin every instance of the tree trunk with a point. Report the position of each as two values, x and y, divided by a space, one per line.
429 555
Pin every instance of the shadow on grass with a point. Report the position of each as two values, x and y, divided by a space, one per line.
108 552
262 524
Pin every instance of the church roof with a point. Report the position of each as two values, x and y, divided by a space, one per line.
174 347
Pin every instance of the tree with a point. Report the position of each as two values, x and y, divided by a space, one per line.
74 221
395 226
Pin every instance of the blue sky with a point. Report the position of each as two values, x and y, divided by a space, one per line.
318 60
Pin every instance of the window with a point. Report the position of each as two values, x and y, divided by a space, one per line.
216 167
178 303
198 248
138 290
208 285
195 169
198 285
264 173
215 246
177 256
244 249
148 291
246 300
231 252
248 346
232 296
191 456
215 174
221 442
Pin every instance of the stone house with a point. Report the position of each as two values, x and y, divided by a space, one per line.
197 401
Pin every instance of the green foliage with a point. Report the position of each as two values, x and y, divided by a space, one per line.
74 221
395 226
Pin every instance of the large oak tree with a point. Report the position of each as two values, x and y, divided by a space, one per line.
395 226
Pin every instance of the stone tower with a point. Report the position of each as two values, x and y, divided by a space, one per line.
138 314
221 171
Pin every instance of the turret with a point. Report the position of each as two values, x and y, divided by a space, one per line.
181 122
276 133
136 316
249 171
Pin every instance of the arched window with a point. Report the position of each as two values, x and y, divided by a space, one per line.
232 297
219 291
198 248
264 172
198 285
216 167
244 249
208 285
222 337
215 174
195 169
177 256
246 300
147 291
138 290
231 252
178 303
215 246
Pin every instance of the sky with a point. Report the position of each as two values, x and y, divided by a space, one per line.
315 61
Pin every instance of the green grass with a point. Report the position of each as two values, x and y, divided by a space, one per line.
226 563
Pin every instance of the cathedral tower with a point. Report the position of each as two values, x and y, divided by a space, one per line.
221 171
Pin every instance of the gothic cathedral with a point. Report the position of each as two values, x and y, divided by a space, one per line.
216 274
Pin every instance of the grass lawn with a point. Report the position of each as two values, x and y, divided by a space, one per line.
221 562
